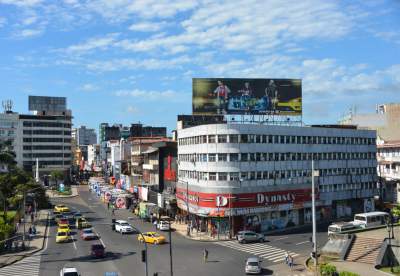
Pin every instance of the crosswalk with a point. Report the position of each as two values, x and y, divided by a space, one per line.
29 266
261 250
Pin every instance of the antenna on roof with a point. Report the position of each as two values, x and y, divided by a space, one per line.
7 106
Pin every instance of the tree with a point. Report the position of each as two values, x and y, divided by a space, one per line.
57 175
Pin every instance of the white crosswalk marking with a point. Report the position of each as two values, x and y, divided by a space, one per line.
261 250
29 266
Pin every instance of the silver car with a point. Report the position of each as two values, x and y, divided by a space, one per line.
249 236
253 266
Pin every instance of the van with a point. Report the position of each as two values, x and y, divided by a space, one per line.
340 227
371 219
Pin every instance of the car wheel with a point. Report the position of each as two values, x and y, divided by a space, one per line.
244 241
261 239
155 242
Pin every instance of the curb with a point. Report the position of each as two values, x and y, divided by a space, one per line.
189 238
34 251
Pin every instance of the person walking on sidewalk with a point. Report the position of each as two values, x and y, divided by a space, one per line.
286 258
205 255
290 261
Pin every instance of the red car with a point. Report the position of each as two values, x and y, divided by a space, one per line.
97 251
63 221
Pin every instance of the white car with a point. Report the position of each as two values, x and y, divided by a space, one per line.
163 225
123 227
69 271
253 266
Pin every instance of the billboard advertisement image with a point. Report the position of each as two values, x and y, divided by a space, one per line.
247 96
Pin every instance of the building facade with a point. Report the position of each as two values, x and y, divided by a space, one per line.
247 176
389 169
86 136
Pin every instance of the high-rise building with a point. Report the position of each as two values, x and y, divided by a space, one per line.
86 136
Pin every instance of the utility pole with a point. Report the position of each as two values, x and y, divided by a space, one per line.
23 210
187 204
314 219
170 249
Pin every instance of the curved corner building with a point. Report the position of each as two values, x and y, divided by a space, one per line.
258 177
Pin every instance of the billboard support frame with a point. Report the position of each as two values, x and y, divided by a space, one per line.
270 119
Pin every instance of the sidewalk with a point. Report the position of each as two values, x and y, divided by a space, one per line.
181 229
359 268
33 245
54 194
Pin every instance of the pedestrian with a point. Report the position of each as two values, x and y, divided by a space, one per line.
108 205
112 211
205 255
30 232
32 217
290 261
286 257
188 230
34 230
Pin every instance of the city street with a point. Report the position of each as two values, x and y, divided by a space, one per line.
123 251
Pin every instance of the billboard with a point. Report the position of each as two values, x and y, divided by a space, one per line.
246 96
44 103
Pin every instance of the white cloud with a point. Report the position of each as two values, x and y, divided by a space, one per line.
147 26
132 110
28 33
93 44
21 3
29 20
88 87
151 95
3 21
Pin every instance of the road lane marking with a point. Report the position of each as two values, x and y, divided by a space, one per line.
281 238
97 233
302 242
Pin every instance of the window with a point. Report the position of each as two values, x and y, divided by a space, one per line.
252 156
243 176
212 176
233 138
211 139
258 156
258 138
244 138
211 157
222 176
222 157
252 138
244 157
222 138
252 175
234 157
259 175
234 176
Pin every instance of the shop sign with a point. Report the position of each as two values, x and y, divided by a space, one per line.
275 199
194 198
221 201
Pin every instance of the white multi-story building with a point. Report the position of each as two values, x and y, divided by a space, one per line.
247 176
389 169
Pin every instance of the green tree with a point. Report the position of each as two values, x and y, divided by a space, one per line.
57 175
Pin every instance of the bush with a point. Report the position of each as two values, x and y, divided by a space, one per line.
347 273
328 270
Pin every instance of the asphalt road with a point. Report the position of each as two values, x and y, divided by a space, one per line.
124 251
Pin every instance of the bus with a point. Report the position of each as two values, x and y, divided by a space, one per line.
371 219
340 227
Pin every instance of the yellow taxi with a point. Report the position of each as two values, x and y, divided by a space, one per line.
63 228
292 105
61 208
151 237
62 237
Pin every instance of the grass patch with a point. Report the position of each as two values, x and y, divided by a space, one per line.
396 270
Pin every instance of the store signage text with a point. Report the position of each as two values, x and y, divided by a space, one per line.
271 199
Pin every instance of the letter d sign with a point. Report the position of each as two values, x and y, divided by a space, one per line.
260 198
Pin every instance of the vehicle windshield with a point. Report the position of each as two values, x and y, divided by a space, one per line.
61 234
359 218
252 263
97 246
125 224
333 229
71 274
87 231
63 226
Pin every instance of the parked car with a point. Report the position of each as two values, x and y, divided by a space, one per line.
123 226
249 236
97 250
151 237
88 234
253 266
69 271
163 225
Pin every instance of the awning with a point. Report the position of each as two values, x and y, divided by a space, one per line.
220 213
151 150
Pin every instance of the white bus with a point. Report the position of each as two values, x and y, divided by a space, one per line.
340 227
371 219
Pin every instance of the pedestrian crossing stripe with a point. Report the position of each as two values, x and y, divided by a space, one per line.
261 250
29 266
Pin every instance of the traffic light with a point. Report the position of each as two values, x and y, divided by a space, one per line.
144 256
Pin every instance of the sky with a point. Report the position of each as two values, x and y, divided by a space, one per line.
120 61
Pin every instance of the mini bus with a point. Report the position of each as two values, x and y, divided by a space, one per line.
371 219
340 227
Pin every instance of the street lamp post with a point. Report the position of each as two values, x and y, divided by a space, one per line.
187 205
145 249
170 248
389 227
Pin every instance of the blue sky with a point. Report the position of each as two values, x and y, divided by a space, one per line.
122 61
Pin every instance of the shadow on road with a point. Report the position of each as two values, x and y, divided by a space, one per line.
88 258
266 271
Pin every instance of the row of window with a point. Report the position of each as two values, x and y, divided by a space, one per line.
348 186
45 124
46 147
46 132
274 156
48 163
277 174
274 139
46 155
47 140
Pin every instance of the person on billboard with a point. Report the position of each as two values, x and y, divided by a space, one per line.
247 93
271 92
222 92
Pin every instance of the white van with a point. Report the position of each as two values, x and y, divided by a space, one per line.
371 219
340 227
